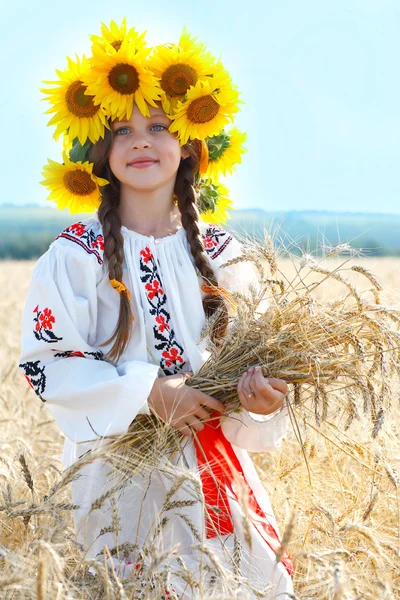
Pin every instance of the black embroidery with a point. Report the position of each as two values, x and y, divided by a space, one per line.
44 321
172 360
35 376
215 240
70 353
86 238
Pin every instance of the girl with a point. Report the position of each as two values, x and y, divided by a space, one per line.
113 327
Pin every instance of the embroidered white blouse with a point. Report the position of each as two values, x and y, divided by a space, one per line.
71 309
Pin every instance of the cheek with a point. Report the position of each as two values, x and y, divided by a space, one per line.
172 155
115 158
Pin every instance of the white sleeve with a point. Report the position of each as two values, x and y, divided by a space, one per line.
246 430
239 277
257 433
88 396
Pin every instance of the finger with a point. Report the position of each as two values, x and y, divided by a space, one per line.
185 430
244 399
274 397
195 424
260 384
264 385
202 414
264 389
278 384
248 383
261 391
240 382
212 403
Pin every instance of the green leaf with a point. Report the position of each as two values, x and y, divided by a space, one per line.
79 152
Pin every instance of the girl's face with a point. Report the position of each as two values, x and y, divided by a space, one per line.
144 155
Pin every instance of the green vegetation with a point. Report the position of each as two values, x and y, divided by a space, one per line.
26 232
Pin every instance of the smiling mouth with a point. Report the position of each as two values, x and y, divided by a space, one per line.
143 164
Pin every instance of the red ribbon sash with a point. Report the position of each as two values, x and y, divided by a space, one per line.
220 468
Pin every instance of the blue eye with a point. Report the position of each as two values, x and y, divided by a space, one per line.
161 128
117 132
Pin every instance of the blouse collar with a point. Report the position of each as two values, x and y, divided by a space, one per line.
147 238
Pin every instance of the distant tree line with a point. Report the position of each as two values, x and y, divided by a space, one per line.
27 232
31 245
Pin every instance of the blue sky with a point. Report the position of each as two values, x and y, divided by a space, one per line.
320 81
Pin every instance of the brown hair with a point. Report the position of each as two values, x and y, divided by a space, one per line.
213 304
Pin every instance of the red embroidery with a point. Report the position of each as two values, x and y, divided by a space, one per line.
34 374
86 238
29 381
98 355
138 574
98 243
172 355
215 240
153 289
44 321
77 228
76 353
147 255
47 319
209 243
162 324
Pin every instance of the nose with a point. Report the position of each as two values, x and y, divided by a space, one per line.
140 141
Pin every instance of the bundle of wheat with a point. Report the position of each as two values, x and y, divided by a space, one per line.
335 355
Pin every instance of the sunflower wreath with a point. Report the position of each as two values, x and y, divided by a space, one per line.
194 89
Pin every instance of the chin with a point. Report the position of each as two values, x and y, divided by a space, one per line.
143 187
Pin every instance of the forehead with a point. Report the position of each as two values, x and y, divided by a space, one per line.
137 115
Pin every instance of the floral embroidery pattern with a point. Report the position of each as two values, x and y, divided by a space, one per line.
34 374
215 240
86 238
44 320
70 353
172 354
138 576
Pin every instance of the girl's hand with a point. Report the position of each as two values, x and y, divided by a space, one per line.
181 406
259 394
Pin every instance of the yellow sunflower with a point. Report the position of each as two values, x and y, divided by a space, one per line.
214 202
73 185
67 144
117 80
225 152
179 67
209 107
74 110
115 35
218 70
187 43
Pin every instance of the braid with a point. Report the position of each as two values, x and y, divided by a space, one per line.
184 190
113 244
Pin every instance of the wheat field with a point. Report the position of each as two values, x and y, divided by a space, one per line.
340 497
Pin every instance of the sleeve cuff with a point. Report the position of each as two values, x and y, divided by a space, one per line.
260 434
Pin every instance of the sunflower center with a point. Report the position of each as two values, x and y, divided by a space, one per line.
124 79
202 110
116 45
79 183
177 79
78 103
